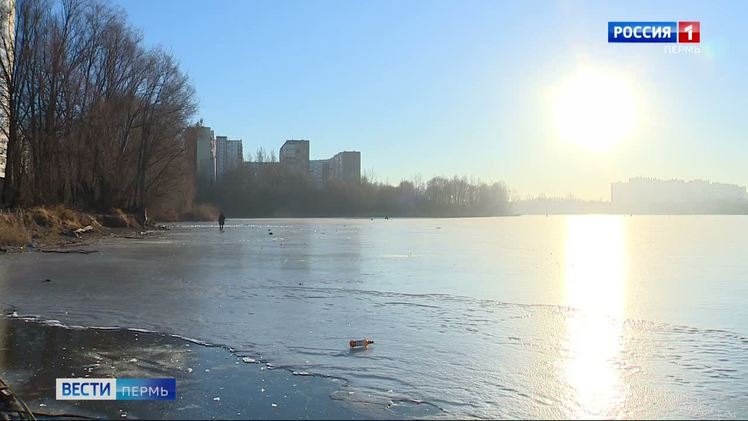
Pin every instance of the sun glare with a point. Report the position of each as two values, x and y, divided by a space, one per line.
595 289
595 110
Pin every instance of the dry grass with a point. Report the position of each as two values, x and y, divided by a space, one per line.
48 225
59 219
13 229
117 218
20 227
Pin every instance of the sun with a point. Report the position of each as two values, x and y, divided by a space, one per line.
595 110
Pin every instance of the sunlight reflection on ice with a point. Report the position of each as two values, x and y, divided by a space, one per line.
595 282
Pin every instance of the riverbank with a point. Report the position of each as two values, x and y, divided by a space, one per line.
44 228
60 227
212 381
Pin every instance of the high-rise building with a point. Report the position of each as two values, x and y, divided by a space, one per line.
319 171
294 156
205 154
7 34
346 166
229 155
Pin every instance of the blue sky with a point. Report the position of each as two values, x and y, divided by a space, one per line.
461 87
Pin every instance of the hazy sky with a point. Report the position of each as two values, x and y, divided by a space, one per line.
462 87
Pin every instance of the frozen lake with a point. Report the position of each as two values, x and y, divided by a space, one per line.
552 317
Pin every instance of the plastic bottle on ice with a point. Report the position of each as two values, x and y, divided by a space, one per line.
361 343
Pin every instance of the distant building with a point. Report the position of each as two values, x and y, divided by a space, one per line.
319 171
229 155
205 154
653 195
346 166
294 156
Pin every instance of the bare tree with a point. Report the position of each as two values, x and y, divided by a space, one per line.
93 118
260 155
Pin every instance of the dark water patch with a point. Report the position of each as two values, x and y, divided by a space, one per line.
211 381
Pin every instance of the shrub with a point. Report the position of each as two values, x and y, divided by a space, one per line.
13 230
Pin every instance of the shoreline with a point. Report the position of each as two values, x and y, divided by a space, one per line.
47 228
64 244
49 240
410 217
212 380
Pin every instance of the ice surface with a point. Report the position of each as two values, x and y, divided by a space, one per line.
490 317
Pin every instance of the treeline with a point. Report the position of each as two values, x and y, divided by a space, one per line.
268 191
92 117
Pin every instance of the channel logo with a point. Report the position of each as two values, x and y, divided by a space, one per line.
683 32
130 389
